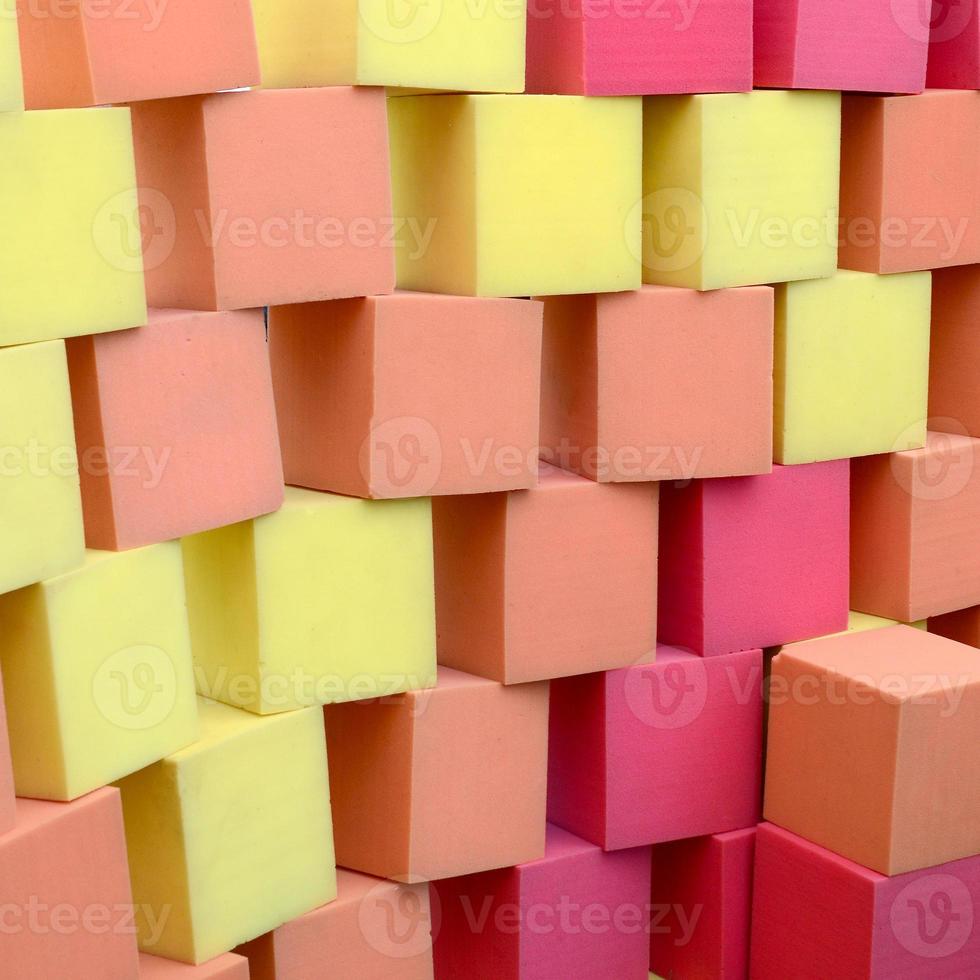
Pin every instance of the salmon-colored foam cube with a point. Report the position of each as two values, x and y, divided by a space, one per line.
408 395
439 783
67 904
954 44
7 806
668 749
542 583
79 53
962 626
256 198
176 427
228 966
915 530
954 357
854 722
617 366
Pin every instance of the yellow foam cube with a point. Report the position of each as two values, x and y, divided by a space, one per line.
329 599
740 189
437 44
851 368
97 669
40 504
231 837
520 195
11 82
71 259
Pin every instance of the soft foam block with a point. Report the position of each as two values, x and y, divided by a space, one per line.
835 44
257 198
915 530
659 48
11 80
329 599
443 46
548 582
754 561
908 170
954 46
152 468
374 930
228 966
658 752
7 807
435 784
616 368
80 53
962 625
576 913
70 258
708 162
97 665
503 220
852 766
852 366
40 505
918 925
701 906
411 394
232 834
954 363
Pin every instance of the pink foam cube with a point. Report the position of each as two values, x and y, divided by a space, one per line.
577 913
175 426
817 915
953 28
225 967
754 561
659 751
8 811
576 47
838 44
702 906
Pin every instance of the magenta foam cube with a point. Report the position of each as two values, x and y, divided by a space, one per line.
953 28
577 913
661 47
816 915
701 906
754 561
868 46
659 751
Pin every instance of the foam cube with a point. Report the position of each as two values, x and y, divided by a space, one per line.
915 530
228 966
502 220
78 53
98 669
853 721
754 561
374 930
917 925
615 368
620 49
256 198
657 752
852 381
7 806
232 834
152 468
962 626
954 401
408 395
329 599
702 906
436 784
835 44
908 170
11 81
858 622
442 46
71 255
708 161
548 582
67 908
954 46
576 913
40 506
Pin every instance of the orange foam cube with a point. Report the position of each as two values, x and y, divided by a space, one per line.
225 967
7 805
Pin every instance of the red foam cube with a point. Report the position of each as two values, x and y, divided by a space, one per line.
954 43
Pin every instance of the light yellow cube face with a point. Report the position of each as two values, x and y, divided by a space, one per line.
40 503
329 599
232 836
71 255
11 83
851 366
740 189
98 672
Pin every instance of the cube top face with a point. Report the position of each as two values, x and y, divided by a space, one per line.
225 967
702 227
854 383
68 199
11 79
954 402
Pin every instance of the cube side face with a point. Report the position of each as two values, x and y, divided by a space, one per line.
962 626
954 49
48 36
681 580
954 403
11 77
774 42
8 810
555 50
